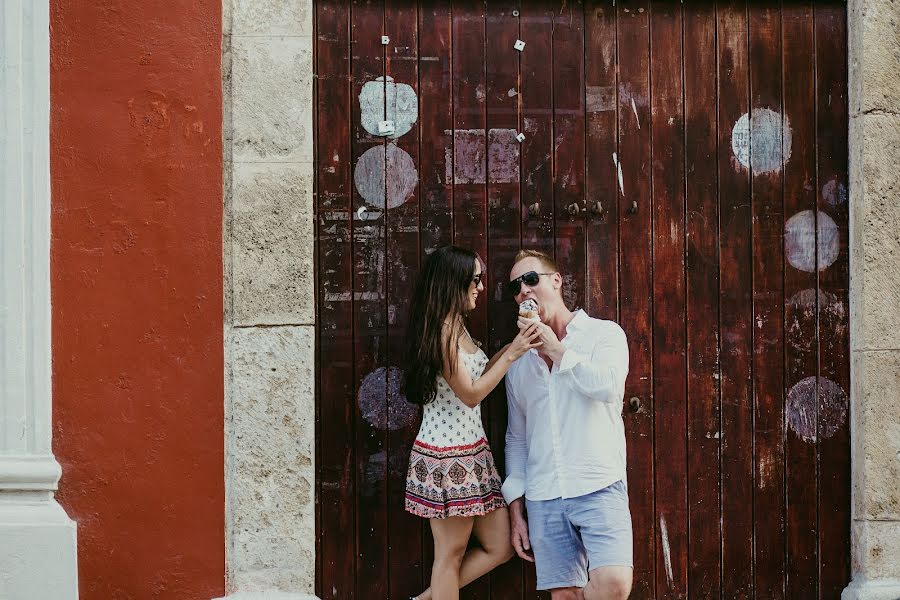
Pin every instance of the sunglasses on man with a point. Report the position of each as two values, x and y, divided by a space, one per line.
531 279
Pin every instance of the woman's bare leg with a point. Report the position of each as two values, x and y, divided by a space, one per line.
492 532
451 536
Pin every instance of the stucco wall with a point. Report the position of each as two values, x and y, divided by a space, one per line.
137 293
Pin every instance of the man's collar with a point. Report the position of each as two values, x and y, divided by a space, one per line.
578 321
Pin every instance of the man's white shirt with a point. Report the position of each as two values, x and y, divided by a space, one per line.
565 436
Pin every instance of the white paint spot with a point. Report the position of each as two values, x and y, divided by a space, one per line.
512 93
469 165
764 136
531 125
834 192
667 553
800 243
619 173
816 406
381 402
480 93
634 110
383 100
370 171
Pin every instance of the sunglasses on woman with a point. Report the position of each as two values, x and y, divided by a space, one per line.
478 279
530 279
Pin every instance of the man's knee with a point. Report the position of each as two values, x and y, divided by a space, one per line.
566 594
609 584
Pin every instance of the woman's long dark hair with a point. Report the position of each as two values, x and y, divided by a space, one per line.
441 294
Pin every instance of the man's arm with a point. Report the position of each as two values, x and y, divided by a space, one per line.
514 486
516 448
601 373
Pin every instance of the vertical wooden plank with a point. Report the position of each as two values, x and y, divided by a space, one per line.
435 125
401 268
735 306
537 123
335 317
369 309
600 180
702 256
669 335
635 282
502 177
436 157
766 164
470 153
536 163
833 433
800 303
568 148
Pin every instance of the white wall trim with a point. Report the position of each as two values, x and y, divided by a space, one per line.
37 539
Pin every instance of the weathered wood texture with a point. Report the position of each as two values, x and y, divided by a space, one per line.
686 164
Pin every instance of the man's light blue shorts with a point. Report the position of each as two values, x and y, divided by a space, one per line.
573 536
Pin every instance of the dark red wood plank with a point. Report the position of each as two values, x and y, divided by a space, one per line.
568 149
669 335
470 153
335 458
800 303
369 307
537 124
635 279
435 125
401 268
435 157
502 177
833 432
536 163
702 289
766 164
735 306
600 179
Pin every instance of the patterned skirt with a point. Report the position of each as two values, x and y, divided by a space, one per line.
455 481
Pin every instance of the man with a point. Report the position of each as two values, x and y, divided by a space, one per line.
565 445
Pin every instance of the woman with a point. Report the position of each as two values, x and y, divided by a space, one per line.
452 480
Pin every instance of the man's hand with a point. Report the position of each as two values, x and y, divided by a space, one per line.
550 344
519 531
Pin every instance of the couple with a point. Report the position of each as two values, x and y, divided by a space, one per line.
565 442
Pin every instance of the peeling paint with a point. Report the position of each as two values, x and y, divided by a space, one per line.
616 162
384 99
667 553
381 402
502 159
766 136
816 406
834 192
600 98
800 241
369 176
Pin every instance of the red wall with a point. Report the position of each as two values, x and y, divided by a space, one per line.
136 167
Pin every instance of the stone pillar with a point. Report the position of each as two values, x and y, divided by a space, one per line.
270 299
874 46
37 538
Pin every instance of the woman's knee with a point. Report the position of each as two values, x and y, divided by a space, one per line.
503 552
449 556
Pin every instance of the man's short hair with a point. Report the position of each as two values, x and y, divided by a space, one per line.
545 259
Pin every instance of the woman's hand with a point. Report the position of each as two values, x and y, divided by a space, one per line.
525 341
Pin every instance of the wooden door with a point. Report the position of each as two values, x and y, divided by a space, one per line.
686 163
